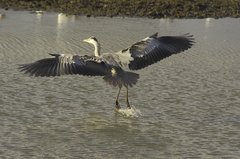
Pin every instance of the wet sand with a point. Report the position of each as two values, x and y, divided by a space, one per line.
140 8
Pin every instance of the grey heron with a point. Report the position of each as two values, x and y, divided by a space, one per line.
112 65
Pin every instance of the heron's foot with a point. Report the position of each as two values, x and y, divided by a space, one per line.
117 105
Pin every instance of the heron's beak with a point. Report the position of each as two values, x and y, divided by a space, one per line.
86 40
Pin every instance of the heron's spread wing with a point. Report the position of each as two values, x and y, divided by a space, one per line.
66 64
153 49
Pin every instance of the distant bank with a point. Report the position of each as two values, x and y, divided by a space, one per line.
140 8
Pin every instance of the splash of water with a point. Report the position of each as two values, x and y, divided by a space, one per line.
133 112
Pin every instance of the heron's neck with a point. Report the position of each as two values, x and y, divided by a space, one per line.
97 49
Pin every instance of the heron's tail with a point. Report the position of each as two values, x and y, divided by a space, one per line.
121 78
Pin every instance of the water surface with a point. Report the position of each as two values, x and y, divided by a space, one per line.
189 102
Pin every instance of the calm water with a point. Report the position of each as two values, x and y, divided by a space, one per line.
189 103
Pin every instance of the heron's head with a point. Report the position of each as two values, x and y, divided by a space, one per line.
91 40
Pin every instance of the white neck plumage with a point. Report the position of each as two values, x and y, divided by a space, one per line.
97 47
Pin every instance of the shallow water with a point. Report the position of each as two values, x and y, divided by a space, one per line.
187 105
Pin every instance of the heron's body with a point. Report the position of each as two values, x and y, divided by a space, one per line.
112 65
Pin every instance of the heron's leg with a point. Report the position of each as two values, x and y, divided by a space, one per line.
117 104
128 105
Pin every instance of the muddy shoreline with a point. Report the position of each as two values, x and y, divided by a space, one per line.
140 8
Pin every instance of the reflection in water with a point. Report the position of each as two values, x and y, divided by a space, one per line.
165 25
38 31
39 16
166 21
208 22
63 19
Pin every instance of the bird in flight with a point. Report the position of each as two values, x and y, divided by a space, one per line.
112 66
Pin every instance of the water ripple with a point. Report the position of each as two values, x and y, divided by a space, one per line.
184 106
